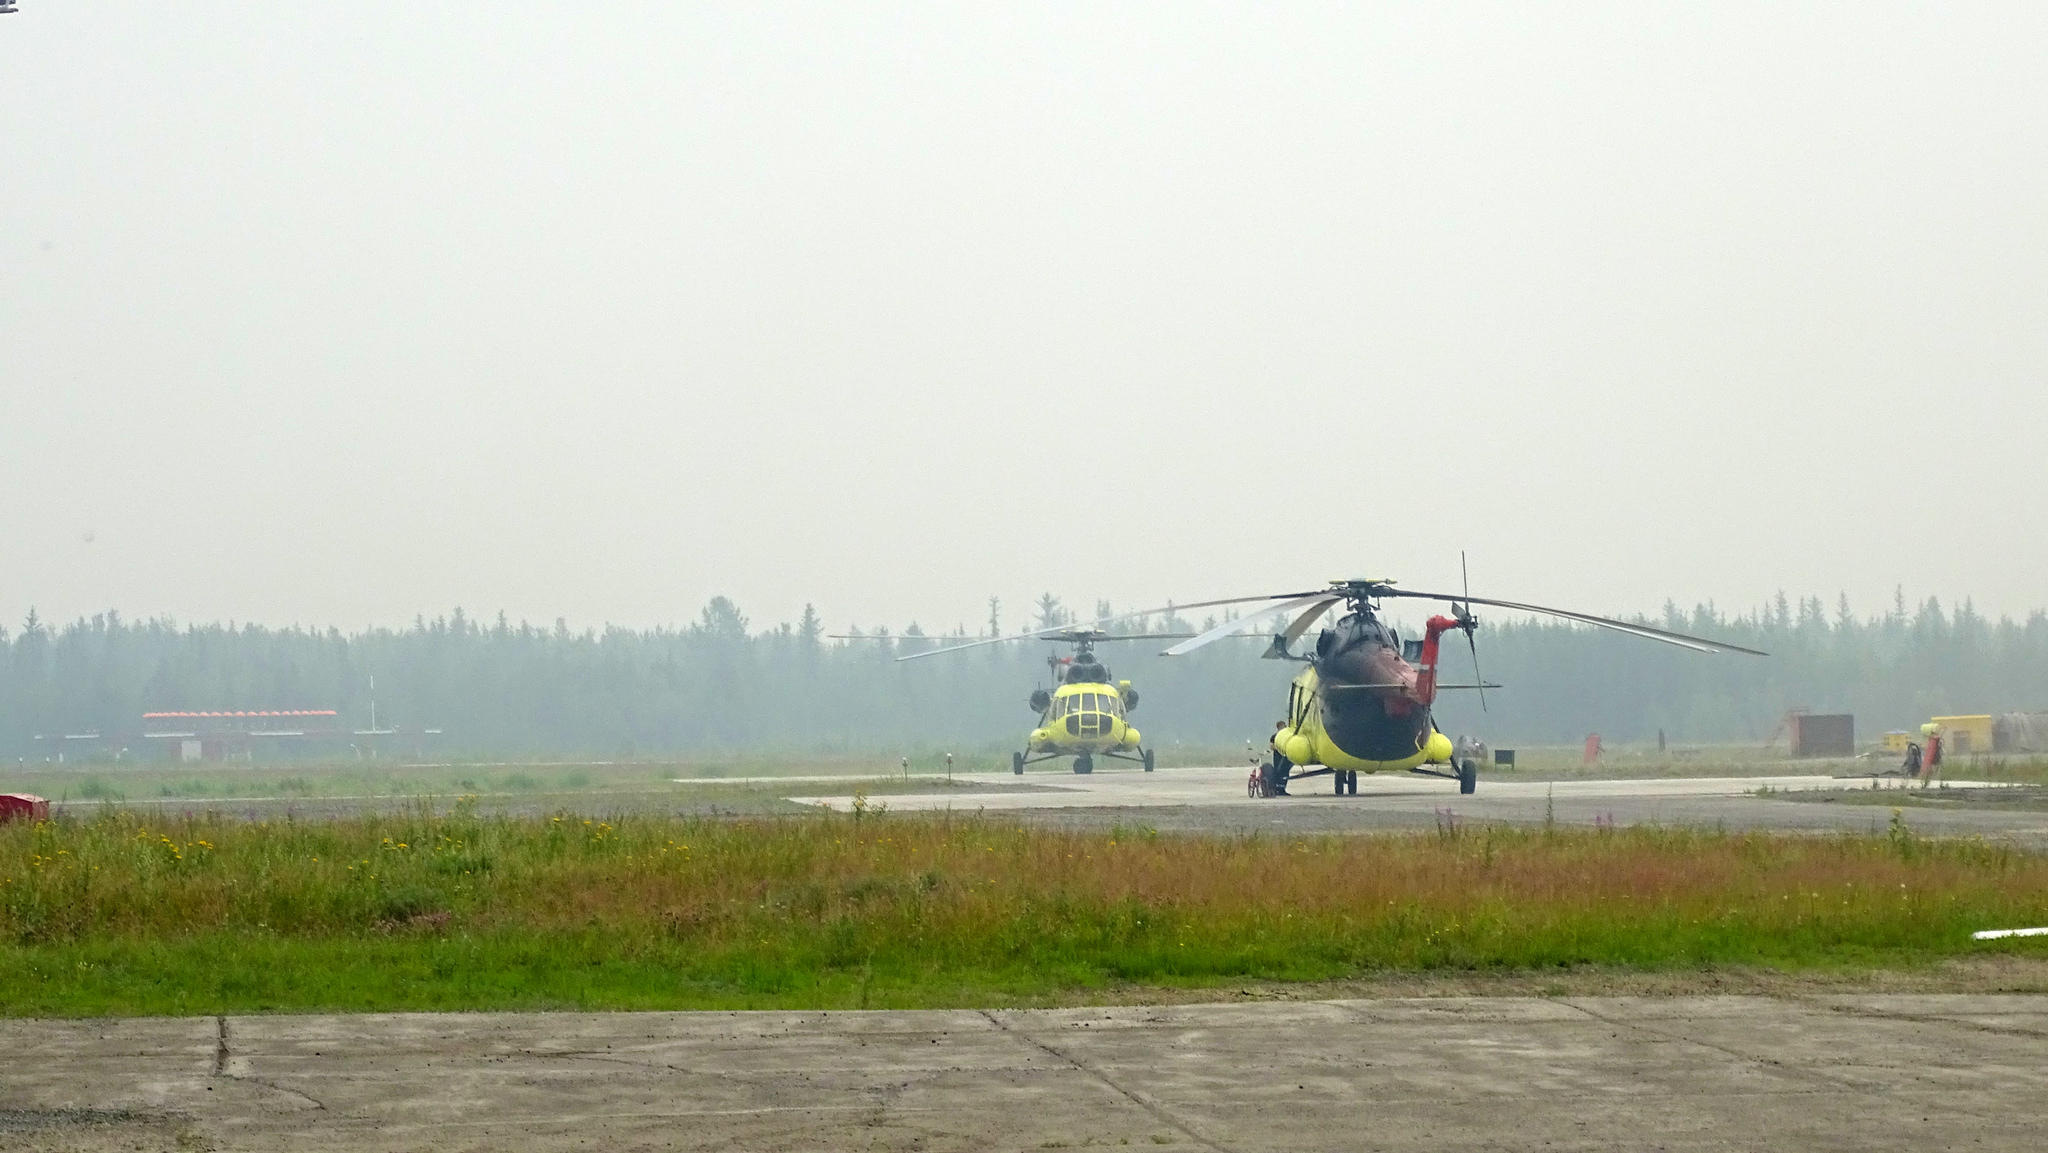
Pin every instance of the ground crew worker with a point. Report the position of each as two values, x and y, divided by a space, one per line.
1929 762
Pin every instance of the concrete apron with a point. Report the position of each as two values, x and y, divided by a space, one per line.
1722 1073
1226 787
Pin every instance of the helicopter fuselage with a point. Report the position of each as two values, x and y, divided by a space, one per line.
1360 706
1084 718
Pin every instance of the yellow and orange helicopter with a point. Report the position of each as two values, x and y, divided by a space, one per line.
1363 703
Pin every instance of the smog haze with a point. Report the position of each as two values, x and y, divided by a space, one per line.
339 314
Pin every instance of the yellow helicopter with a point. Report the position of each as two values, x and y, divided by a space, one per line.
1363 703
1085 714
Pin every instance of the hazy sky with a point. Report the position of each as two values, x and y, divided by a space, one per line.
338 313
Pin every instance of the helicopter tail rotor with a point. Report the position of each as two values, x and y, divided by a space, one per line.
1468 623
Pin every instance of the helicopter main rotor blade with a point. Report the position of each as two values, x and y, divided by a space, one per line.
1245 623
1144 637
1046 633
1035 634
1697 644
1307 619
889 637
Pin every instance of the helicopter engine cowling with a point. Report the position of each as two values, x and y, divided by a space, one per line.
1295 746
1085 671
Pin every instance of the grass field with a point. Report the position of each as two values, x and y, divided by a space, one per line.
127 914
314 780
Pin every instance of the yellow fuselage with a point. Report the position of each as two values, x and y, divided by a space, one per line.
1084 718
1305 741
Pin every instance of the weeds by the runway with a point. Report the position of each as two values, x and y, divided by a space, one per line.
449 909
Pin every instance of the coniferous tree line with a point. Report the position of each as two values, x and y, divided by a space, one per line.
1892 671
495 687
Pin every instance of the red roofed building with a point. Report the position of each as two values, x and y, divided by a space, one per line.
212 736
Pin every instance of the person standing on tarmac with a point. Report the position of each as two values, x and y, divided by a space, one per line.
1932 759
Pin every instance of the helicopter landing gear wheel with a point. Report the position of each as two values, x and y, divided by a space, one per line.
1017 763
1347 782
1148 759
1084 764
1468 775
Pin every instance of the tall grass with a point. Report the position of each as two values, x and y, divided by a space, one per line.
2024 770
451 909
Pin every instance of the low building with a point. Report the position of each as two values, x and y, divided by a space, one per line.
1822 734
224 735
2020 733
1962 736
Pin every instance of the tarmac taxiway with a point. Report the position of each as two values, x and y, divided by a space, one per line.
1864 1072
1214 800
